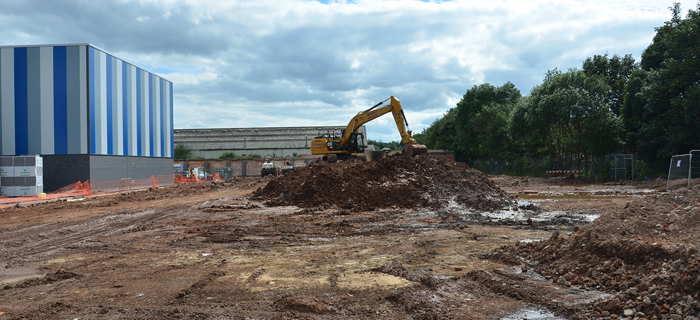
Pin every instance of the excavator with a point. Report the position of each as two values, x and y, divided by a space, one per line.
334 147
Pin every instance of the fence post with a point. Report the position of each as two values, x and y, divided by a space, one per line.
690 165
594 168
243 168
669 173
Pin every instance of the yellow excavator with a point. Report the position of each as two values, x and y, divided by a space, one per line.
334 148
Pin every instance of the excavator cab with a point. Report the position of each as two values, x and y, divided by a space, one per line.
357 143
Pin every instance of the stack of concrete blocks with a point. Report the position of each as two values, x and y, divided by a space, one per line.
21 176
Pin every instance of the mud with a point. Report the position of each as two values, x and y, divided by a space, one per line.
392 182
213 251
645 254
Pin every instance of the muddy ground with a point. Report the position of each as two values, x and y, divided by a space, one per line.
214 252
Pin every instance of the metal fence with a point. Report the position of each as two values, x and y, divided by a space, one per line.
620 166
523 166
237 167
617 166
683 169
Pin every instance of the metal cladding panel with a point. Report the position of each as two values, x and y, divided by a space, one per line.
128 108
77 99
41 94
170 115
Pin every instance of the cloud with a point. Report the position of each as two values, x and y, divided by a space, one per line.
301 62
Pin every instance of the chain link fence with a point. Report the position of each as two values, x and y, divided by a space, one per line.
538 167
613 167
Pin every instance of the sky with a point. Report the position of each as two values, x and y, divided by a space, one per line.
263 63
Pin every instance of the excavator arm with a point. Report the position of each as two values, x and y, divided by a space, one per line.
374 112
333 147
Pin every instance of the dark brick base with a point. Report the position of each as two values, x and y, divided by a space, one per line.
62 170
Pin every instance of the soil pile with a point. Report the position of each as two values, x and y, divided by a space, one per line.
646 254
395 181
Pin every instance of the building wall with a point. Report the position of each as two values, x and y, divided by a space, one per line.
43 100
103 172
281 141
78 99
130 109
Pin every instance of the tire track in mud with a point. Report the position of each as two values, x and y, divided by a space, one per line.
434 294
33 243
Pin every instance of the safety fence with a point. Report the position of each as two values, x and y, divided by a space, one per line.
227 168
684 170
80 190
525 166
611 167
73 190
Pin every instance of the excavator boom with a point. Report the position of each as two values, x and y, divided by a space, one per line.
372 113
347 144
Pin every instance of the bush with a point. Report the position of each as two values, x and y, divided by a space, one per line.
228 155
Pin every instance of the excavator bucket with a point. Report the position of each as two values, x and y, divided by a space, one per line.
414 149
330 158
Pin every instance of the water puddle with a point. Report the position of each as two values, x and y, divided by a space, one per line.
532 314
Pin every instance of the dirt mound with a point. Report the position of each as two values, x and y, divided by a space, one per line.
395 181
646 254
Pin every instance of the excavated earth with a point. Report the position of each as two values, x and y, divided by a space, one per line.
394 239
645 254
395 181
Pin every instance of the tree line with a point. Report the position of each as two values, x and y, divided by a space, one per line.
613 103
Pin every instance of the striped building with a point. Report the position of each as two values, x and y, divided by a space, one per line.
77 99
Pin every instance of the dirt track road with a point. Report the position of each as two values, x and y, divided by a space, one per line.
194 252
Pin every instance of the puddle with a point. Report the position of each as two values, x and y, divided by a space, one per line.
531 240
519 214
532 314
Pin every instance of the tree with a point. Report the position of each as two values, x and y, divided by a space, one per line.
481 121
570 115
662 103
441 134
616 71
525 141
182 152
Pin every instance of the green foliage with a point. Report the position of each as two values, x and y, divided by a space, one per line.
662 105
615 71
441 134
379 145
228 155
232 155
569 113
182 152
482 121
652 106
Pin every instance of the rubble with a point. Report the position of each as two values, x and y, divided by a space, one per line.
395 181
647 254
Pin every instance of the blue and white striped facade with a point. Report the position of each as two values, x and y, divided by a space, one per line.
78 99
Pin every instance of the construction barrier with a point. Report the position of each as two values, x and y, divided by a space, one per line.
87 189
565 172
228 168
73 190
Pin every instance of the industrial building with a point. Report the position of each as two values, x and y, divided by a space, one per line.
279 141
89 114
